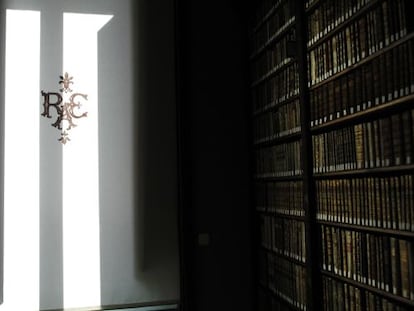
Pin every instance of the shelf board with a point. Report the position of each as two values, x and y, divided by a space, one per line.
274 38
364 61
281 178
278 140
282 215
312 6
281 298
286 257
382 109
273 72
371 289
379 171
390 232
266 17
274 105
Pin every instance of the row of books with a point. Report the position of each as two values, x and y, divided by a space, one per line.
283 236
276 90
279 160
375 302
263 9
380 202
387 77
342 296
360 39
328 14
309 3
267 302
379 143
383 262
277 305
262 266
285 197
281 19
281 121
287 280
277 55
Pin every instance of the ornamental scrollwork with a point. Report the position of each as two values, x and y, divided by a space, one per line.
67 106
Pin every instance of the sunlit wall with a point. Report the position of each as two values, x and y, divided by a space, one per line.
81 241
21 161
112 211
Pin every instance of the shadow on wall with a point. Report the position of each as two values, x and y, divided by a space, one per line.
138 201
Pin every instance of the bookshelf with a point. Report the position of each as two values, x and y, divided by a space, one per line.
332 89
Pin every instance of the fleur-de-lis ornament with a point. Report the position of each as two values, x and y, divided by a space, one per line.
66 81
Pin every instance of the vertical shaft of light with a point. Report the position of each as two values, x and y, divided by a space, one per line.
81 243
21 177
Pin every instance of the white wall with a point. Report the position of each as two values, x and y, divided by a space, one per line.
137 151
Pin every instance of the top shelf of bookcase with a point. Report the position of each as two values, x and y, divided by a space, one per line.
346 22
266 17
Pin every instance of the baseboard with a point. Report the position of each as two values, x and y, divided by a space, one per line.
151 306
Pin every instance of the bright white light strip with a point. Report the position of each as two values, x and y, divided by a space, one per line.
21 189
81 243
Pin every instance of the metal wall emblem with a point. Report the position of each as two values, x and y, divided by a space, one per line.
67 106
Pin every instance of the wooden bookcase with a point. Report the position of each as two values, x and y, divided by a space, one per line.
333 121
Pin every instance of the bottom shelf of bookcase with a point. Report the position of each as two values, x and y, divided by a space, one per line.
366 292
287 302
